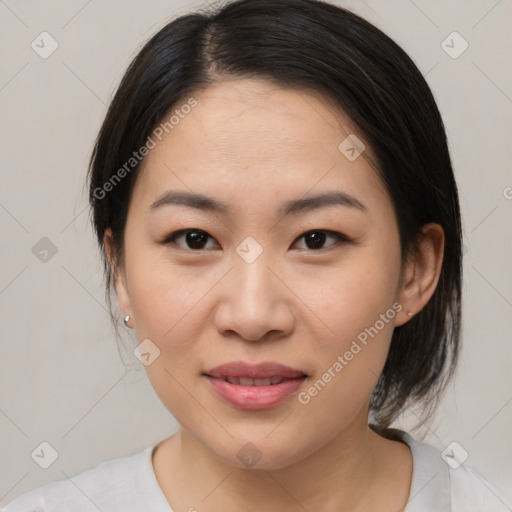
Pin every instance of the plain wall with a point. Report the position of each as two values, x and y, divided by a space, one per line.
61 376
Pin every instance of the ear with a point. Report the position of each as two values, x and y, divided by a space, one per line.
118 276
421 273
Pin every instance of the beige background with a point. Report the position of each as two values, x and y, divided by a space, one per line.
61 377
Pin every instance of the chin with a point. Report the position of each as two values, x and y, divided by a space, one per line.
260 451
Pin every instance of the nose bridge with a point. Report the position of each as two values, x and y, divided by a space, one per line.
254 300
254 284
251 271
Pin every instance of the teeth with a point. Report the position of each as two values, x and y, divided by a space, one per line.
263 382
246 381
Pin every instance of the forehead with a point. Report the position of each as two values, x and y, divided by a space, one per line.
258 118
255 136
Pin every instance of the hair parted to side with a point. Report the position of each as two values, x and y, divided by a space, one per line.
316 46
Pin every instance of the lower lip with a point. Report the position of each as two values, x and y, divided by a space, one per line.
255 397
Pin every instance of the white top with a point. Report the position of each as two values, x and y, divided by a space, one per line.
129 484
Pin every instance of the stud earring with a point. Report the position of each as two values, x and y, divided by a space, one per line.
409 313
126 319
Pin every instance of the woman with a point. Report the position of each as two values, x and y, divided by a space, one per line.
274 200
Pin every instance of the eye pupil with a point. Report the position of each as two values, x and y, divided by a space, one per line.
196 240
317 238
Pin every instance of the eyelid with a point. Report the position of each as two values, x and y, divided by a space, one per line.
341 239
170 238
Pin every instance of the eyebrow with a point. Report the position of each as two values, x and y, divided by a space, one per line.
292 207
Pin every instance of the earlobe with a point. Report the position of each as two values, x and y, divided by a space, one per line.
422 272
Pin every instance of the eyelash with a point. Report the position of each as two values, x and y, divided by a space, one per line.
341 238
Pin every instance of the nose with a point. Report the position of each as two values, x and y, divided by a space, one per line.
255 302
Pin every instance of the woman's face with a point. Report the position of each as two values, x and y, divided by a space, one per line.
247 286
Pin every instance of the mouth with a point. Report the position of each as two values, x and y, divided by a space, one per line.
253 387
247 381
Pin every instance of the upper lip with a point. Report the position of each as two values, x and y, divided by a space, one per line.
254 371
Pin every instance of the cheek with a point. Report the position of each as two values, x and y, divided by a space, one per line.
352 297
358 306
357 302
166 301
170 304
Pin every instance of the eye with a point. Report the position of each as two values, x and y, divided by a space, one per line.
194 238
315 239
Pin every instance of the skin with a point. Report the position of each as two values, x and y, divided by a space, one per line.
255 145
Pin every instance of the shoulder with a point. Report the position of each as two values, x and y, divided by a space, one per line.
113 482
443 481
470 491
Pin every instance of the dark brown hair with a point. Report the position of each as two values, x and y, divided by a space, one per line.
310 45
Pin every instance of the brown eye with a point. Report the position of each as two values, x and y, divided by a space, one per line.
193 239
316 239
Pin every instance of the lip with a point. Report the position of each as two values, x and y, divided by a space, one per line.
254 371
254 397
